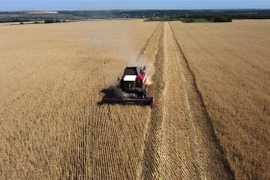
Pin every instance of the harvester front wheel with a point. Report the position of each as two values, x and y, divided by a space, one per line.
145 91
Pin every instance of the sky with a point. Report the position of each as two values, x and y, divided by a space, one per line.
22 5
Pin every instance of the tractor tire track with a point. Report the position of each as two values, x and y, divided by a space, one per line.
150 53
152 149
180 143
206 143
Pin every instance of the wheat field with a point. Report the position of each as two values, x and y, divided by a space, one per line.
51 78
231 63
210 81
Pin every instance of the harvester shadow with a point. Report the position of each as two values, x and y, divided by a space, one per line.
112 92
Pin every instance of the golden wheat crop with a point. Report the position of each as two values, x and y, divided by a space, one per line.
51 78
232 69
210 82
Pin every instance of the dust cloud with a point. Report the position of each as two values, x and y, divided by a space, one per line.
130 57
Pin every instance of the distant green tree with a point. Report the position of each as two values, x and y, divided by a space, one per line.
222 19
49 21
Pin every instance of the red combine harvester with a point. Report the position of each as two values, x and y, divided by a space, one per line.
132 88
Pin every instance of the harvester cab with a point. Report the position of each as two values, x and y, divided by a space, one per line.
133 81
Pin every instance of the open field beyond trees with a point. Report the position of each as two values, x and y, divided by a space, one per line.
211 84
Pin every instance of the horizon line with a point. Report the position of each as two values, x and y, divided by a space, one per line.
141 10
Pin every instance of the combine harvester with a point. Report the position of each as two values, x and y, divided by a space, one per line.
132 89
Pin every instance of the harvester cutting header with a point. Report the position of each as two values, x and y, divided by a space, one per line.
131 89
